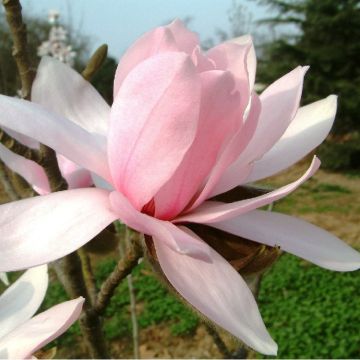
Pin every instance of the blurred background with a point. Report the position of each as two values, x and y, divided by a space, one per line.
310 312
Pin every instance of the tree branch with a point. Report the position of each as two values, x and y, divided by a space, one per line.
69 272
218 341
7 184
18 148
122 269
20 54
88 274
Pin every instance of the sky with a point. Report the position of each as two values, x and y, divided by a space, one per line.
120 22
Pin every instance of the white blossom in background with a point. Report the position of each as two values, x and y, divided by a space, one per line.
57 44
4 278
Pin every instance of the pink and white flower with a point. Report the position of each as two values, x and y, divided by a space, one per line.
21 334
184 127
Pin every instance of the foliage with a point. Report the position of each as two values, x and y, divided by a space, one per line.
311 312
341 155
326 39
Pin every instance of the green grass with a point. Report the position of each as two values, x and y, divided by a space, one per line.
311 312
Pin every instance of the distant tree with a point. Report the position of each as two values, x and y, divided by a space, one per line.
328 40
240 23
38 31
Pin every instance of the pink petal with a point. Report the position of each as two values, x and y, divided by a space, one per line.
201 61
173 37
279 103
165 231
295 236
218 121
75 176
152 43
20 301
211 211
233 57
153 124
309 128
40 330
60 89
33 173
250 58
186 40
61 134
218 292
217 183
41 229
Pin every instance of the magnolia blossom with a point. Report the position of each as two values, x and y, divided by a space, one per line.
20 333
184 126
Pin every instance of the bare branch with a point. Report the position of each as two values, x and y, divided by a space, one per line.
20 54
122 269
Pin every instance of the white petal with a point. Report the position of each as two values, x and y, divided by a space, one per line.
217 291
295 236
41 229
309 128
33 173
60 89
4 278
21 300
61 134
40 330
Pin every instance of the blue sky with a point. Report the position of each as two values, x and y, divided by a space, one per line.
119 22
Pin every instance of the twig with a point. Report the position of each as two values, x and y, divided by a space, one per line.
95 62
88 274
69 272
218 341
18 148
51 167
122 269
6 183
134 322
20 54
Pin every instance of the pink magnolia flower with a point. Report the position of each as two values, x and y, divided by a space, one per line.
20 333
184 127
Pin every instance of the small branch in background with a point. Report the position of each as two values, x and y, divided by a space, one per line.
122 269
6 183
95 62
134 322
218 341
69 272
18 148
20 54
51 167
88 274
